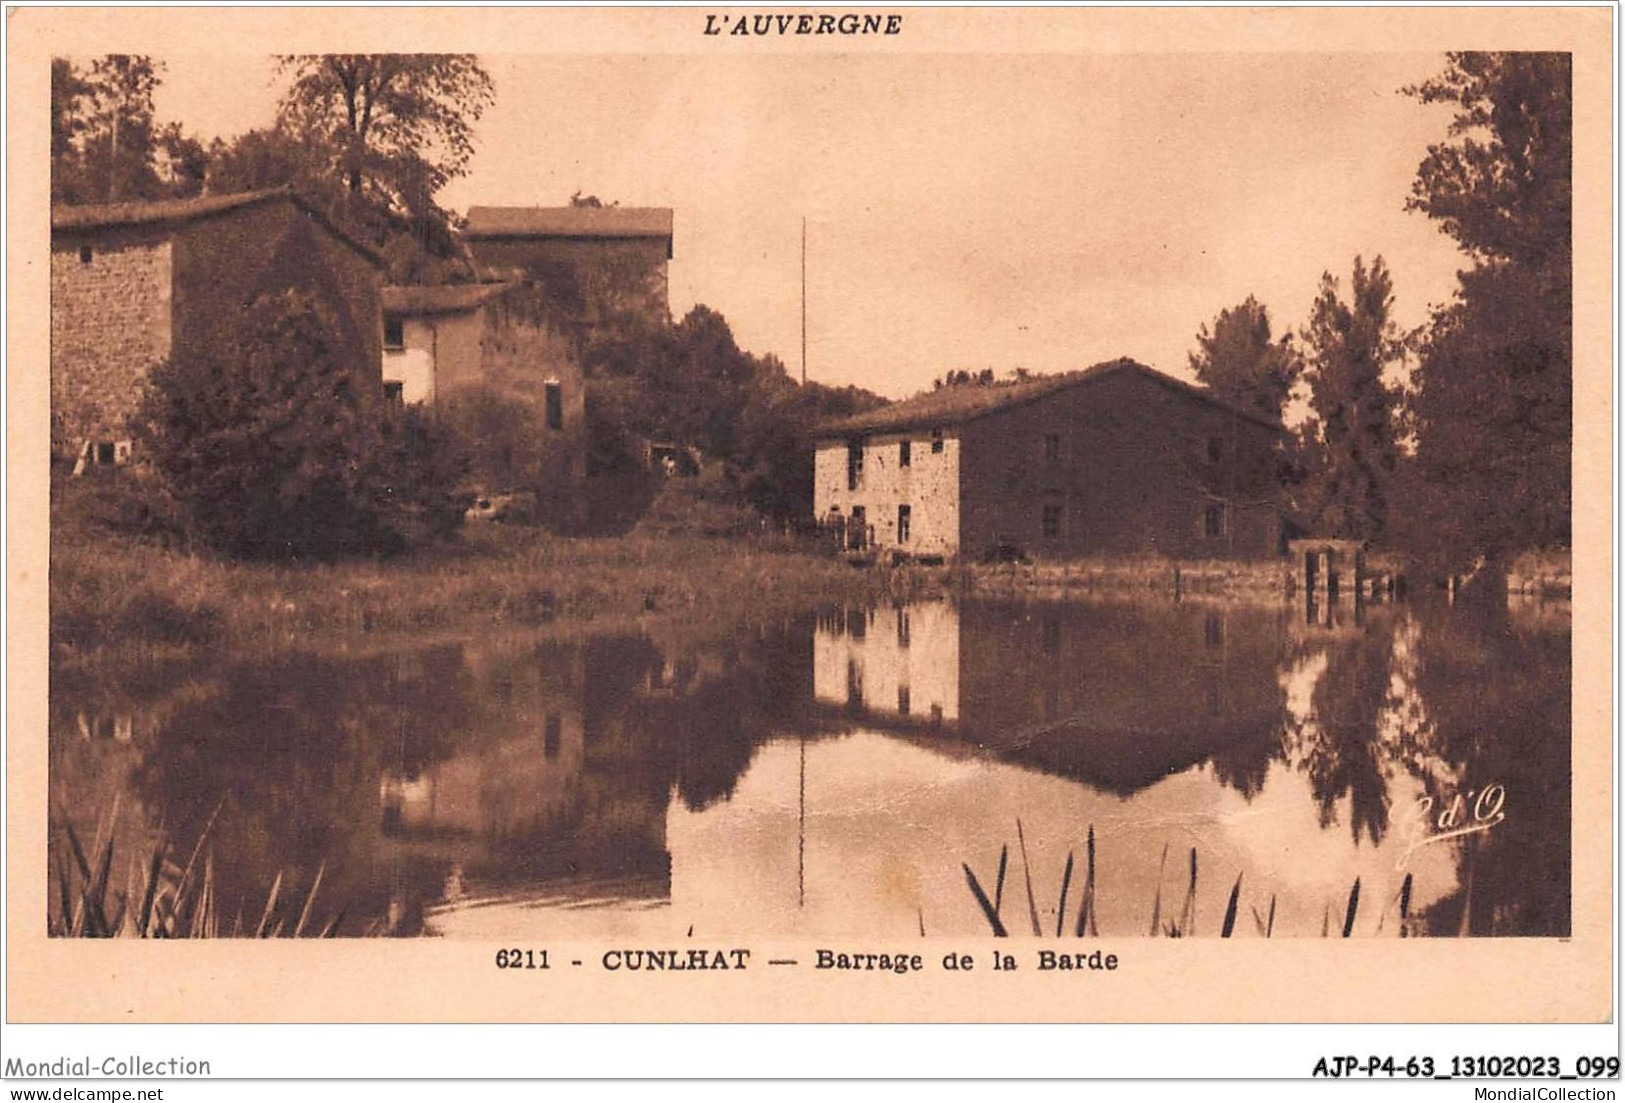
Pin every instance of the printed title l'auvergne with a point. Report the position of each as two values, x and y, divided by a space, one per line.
1113 458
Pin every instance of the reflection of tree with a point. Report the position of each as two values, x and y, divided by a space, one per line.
282 764
1499 701
1339 744
1244 765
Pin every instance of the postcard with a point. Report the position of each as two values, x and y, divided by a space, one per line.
810 515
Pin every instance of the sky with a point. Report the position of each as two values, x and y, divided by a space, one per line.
962 211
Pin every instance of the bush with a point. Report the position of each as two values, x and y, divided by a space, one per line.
272 446
426 484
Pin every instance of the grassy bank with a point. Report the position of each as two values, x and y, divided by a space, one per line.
116 591
124 592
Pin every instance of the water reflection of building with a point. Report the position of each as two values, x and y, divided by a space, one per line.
901 663
522 772
1116 695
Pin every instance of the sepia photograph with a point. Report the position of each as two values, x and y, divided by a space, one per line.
811 486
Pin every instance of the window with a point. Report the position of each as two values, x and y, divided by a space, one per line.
854 464
1052 448
105 452
903 454
1213 630
85 254
902 629
904 516
1052 521
936 440
902 700
1215 449
555 404
1213 521
394 392
550 735
394 331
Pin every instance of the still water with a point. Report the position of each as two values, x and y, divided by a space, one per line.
835 774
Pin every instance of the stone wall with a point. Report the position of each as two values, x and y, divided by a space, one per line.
110 324
1124 465
928 485
590 278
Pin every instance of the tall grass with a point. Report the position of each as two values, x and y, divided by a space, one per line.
1182 925
161 898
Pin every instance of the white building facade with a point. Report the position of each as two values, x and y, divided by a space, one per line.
900 491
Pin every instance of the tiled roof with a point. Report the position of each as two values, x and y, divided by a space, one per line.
95 216
442 298
957 405
91 217
487 222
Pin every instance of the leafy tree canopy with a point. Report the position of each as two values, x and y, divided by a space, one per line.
1239 360
1493 408
1353 450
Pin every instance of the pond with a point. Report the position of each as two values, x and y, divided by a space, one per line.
850 772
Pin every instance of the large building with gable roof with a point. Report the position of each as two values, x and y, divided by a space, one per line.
1114 459
130 282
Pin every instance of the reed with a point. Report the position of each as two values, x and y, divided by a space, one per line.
161 899
1230 909
988 909
1086 910
1182 926
1027 872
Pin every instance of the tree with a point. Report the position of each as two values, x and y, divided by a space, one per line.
1493 408
1352 450
267 444
106 144
392 129
1240 362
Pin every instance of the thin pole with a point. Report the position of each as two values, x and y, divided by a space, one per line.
801 832
804 300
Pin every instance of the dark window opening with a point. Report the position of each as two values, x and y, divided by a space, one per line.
854 464
1215 449
857 536
550 735
854 684
904 516
1213 631
1052 448
1213 520
936 440
903 454
903 627
394 331
1052 521
394 392
85 254
902 700
857 623
555 404
105 452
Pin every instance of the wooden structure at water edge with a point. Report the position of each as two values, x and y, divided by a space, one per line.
1334 567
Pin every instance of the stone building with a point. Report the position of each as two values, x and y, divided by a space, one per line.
130 282
447 344
1114 459
595 261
